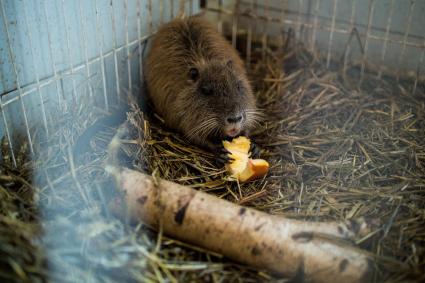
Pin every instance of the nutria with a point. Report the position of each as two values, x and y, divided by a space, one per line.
198 84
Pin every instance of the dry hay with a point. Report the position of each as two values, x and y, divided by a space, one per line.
338 149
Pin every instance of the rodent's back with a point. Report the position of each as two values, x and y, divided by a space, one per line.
175 49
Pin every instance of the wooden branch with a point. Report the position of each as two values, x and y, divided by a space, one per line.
284 246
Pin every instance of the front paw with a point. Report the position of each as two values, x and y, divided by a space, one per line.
222 156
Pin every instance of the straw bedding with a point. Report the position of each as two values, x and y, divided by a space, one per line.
338 147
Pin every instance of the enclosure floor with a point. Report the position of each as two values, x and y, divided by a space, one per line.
339 148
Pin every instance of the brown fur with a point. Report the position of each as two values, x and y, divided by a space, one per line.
198 108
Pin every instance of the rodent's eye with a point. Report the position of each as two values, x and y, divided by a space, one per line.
193 74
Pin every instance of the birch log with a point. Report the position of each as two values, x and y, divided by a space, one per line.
284 246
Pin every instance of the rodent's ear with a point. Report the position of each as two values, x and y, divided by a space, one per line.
194 74
229 63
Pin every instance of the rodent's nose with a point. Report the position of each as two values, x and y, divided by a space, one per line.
234 119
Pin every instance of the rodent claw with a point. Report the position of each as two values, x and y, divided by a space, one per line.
222 156
223 150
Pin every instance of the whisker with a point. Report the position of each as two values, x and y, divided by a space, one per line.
253 118
196 128
209 128
204 128
255 113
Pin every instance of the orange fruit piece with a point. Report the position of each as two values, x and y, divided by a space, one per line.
243 167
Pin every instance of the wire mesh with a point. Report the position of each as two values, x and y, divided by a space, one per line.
69 52
58 55
94 48
385 29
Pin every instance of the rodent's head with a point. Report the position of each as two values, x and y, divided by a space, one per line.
219 101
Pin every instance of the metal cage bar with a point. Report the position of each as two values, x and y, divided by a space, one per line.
406 34
127 48
331 34
235 24
299 21
347 50
139 34
150 18
101 55
386 37
181 7
114 51
220 20
18 84
161 9
249 38
315 24
83 42
282 25
419 68
264 34
367 36
59 90
31 48
74 91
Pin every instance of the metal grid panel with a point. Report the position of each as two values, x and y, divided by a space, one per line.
55 55
385 36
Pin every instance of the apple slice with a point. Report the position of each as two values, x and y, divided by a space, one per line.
256 168
243 167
